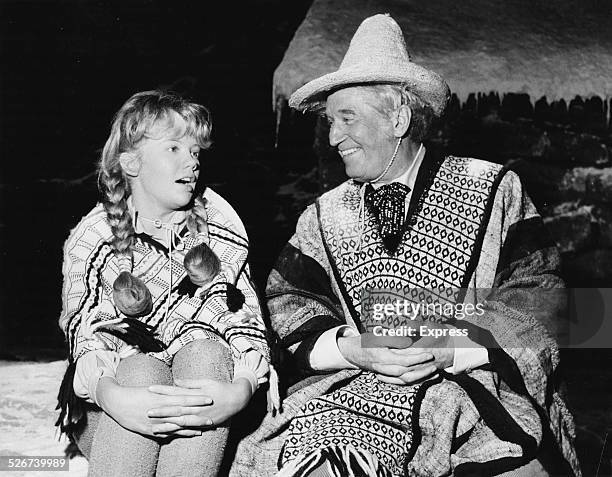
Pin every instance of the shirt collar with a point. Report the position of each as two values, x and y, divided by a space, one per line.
177 219
409 177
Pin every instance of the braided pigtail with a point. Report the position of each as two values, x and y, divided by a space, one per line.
201 263
130 293
197 220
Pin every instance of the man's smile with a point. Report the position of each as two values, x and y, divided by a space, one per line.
348 152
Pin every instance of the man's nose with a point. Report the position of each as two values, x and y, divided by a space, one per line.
336 135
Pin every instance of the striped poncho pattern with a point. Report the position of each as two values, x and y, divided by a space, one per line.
178 317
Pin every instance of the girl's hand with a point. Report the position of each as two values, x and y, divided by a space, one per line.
227 400
128 406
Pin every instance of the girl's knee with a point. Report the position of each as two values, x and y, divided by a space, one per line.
203 359
143 370
205 349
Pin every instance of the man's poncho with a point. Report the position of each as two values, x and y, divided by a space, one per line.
470 226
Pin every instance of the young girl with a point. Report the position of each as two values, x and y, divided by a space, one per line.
133 317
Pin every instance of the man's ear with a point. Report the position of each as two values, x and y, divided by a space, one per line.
402 121
130 163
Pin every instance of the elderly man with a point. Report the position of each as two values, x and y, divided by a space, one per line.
481 404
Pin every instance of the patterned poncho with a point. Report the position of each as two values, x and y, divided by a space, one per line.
469 225
179 315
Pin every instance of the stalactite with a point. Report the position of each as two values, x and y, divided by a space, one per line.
279 106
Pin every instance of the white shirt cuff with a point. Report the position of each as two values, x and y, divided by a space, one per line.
90 368
468 355
253 367
325 355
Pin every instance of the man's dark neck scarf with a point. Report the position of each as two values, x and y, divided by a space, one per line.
388 205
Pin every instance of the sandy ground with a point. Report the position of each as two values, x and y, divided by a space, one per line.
27 414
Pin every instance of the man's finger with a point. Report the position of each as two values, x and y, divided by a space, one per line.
402 358
418 374
374 341
390 369
414 350
390 380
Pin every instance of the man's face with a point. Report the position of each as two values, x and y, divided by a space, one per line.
363 134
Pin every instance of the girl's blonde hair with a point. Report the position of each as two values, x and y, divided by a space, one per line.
149 114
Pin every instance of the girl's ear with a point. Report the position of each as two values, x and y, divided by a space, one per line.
402 121
130 163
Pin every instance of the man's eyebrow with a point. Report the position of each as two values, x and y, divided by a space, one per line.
347 111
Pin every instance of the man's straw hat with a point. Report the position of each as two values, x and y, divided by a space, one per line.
377 54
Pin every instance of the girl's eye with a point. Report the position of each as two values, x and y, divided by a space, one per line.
196 154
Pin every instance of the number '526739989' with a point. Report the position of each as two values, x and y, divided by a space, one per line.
39 463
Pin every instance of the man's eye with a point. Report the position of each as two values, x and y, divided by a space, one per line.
347 120
330 121
173 148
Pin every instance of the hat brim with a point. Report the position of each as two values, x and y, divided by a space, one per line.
430 86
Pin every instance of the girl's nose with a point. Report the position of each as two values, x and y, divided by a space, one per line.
193 161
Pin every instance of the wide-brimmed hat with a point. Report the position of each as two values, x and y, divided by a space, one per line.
377 54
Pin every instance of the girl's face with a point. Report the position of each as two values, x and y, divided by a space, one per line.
167 174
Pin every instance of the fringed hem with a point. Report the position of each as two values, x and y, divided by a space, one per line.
337 462
72 416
